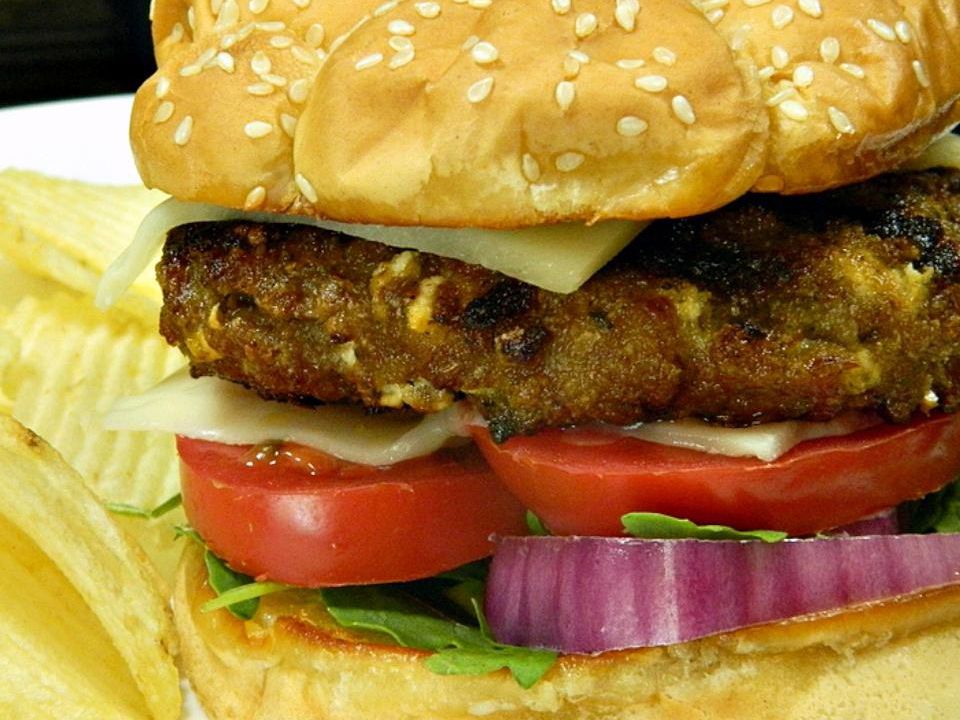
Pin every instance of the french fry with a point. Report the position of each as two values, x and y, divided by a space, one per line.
71 363
45 498
70 231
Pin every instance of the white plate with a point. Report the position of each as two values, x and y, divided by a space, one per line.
79 140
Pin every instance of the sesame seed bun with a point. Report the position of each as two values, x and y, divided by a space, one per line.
890 661
513 113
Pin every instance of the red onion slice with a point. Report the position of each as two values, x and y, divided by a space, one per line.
592 594
885 523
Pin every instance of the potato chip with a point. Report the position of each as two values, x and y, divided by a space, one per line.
70 231
46 499
56 660
72 362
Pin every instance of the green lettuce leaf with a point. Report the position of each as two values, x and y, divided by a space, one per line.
657 526
938 512
459 649
222 579
134 511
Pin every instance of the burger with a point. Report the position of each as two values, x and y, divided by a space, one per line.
622 294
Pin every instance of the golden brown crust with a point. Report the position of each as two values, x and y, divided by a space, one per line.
889 662
787 97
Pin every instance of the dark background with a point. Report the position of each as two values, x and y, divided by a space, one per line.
53 49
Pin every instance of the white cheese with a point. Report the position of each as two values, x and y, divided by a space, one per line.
216 410
766 442
943 152
559 258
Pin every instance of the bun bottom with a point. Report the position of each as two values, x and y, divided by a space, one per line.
891 661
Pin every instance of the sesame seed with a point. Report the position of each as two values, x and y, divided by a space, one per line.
289 124
226 62
176 35
904 31
191 18
585 24
228 41
190 70
665 56
385 8
484 53
163 87
470 42
715 16
854 70
260 63
579 56
840 121
281 42
274 26
921 72
207 57
829 49
766 72
881 29
181 136
560 7
708 5
813 8
479 4
315 35
403 57
305 56
299 89
755 3
779 57
260 89
337 42
302 4
277 80
228 16
565 93
258 6
257 129
630 63
306 188
683 110
480 90
781 96
400 27
651 83
399 42
631 126
531 168
369 61
794 109
571 68
668 177
255 198
781 16
569 161
803 76
427 10
164 112
626 14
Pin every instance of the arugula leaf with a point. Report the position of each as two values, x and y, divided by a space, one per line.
535 525
938 512
460 649
134 511
657 526
222 580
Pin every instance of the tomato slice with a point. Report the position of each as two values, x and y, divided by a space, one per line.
580 482
298 516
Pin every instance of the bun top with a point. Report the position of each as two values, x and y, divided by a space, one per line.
507 113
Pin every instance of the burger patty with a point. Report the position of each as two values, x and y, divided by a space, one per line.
768 309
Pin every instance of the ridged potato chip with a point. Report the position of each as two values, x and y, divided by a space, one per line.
47 499
72 362
70 231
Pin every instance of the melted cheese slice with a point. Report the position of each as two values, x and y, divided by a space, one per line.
559 258
208 408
